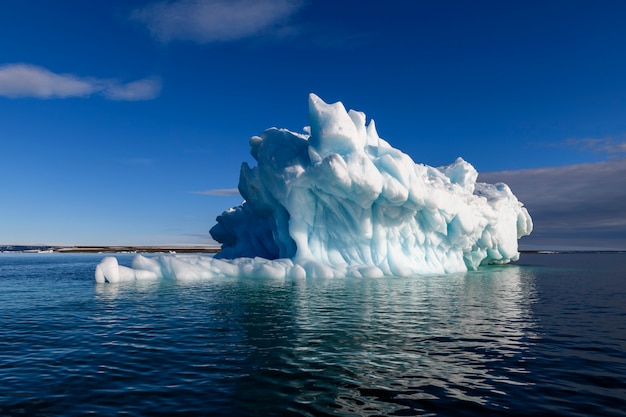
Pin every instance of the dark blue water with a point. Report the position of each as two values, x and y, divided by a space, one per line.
547 335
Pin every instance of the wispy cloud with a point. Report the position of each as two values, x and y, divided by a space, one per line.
576 202
22 80
25 80
609 145
219 192
206 21
612 146
146 89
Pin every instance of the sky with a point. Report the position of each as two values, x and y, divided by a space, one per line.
126 122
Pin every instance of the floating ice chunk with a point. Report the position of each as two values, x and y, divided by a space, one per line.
338 200
110 271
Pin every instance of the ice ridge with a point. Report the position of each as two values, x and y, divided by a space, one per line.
338 200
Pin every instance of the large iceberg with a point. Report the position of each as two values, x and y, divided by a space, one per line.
338 200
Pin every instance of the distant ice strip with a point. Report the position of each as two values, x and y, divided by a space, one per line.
340 201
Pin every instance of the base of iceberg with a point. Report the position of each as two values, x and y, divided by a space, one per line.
338 200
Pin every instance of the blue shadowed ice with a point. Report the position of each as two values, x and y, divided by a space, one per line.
340 201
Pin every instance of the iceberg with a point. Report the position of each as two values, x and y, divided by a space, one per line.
338 200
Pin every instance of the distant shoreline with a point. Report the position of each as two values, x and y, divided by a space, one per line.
197 249
110 249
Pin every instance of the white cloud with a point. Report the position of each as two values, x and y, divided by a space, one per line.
583 202
219 192
206 21
24 80
145 89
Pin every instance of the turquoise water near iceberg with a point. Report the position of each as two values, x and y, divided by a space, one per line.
546 335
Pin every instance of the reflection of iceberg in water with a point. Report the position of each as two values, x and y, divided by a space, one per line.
341 201
381 347
458 337
389 346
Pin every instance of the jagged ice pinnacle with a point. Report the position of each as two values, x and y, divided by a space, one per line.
338 200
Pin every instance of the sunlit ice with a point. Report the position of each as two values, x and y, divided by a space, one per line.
337 200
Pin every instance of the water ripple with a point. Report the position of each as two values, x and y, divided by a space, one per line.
484 343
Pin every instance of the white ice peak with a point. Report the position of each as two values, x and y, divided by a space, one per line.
341 201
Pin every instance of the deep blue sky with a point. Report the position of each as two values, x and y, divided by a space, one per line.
119 120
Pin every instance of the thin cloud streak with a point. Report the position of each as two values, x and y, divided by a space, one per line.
608 145
31 81
611 146
583 202
223 192
206 21
146 89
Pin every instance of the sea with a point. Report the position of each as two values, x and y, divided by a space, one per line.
543 336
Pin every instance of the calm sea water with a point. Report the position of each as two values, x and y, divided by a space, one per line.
547 335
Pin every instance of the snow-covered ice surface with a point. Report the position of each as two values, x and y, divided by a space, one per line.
340 201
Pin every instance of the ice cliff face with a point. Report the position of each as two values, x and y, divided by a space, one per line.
344 196
339 200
